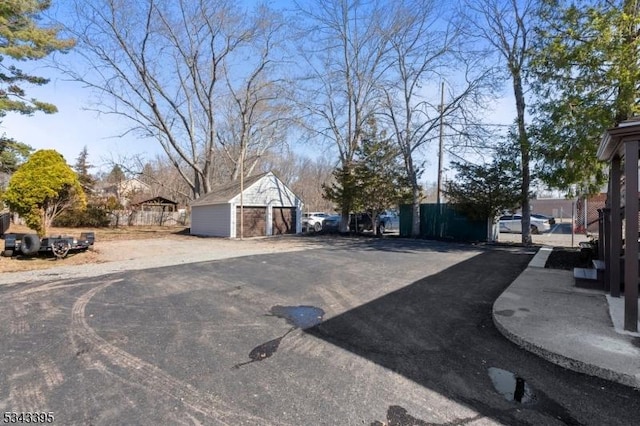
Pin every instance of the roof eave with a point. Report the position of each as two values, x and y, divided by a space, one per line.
613 138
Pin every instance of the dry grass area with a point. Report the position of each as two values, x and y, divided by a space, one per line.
93 255
113 234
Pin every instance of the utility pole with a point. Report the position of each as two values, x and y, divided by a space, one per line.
441 153
241 194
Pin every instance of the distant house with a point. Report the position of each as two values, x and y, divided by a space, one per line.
266 207
132 186
126 190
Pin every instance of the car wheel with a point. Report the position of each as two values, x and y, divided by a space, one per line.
534 230
317 227
381 228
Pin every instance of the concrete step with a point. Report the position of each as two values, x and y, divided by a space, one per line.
599 266
587 278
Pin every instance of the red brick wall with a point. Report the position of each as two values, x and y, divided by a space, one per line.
589 222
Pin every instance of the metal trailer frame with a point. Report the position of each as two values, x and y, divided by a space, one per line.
58 246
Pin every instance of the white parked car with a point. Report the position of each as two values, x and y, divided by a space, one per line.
313 221
513 223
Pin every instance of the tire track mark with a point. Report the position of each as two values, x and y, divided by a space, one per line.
148 375
56 285
26 391
48 309
19 326
50 372
18 316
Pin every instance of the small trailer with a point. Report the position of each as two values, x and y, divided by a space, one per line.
58 246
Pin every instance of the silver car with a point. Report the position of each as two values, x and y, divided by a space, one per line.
313 221
513 223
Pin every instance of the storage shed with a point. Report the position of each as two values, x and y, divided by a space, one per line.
267 205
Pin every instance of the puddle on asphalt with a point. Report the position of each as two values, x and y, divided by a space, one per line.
516 389
264 350
511 387
398 416
299 316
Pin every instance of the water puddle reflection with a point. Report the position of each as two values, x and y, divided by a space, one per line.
511 387
515 389
299 316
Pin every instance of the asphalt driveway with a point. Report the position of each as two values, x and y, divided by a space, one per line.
374 332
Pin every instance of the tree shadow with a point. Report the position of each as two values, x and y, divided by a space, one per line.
437 330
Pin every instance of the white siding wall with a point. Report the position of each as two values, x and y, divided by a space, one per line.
268 191
234 220
269 220
213 220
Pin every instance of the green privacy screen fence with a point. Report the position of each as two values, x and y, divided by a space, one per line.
442 222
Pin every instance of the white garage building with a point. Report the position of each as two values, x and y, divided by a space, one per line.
268 206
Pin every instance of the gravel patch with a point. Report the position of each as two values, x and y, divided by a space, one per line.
127 255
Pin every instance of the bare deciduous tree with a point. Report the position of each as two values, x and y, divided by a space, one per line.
508 27
305 176
258 112
344 48
427 50
167 66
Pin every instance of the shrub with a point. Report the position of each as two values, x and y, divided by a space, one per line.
92 216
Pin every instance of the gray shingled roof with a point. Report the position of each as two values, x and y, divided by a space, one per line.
224 193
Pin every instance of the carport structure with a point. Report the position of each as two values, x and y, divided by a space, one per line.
620 147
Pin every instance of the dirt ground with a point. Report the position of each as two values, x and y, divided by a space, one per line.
567 258
123 243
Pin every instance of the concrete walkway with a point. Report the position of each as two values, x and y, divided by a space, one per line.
544 313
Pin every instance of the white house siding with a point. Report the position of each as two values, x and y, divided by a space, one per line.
268 191
299 219
211 220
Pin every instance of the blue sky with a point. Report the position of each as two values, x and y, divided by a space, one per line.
74 127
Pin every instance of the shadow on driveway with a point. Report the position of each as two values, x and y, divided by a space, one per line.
438 332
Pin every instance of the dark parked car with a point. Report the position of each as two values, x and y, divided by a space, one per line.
332 223
359 222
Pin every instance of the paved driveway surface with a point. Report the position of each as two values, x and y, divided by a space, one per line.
406 338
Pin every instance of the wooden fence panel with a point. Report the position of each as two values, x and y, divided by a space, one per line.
142 218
